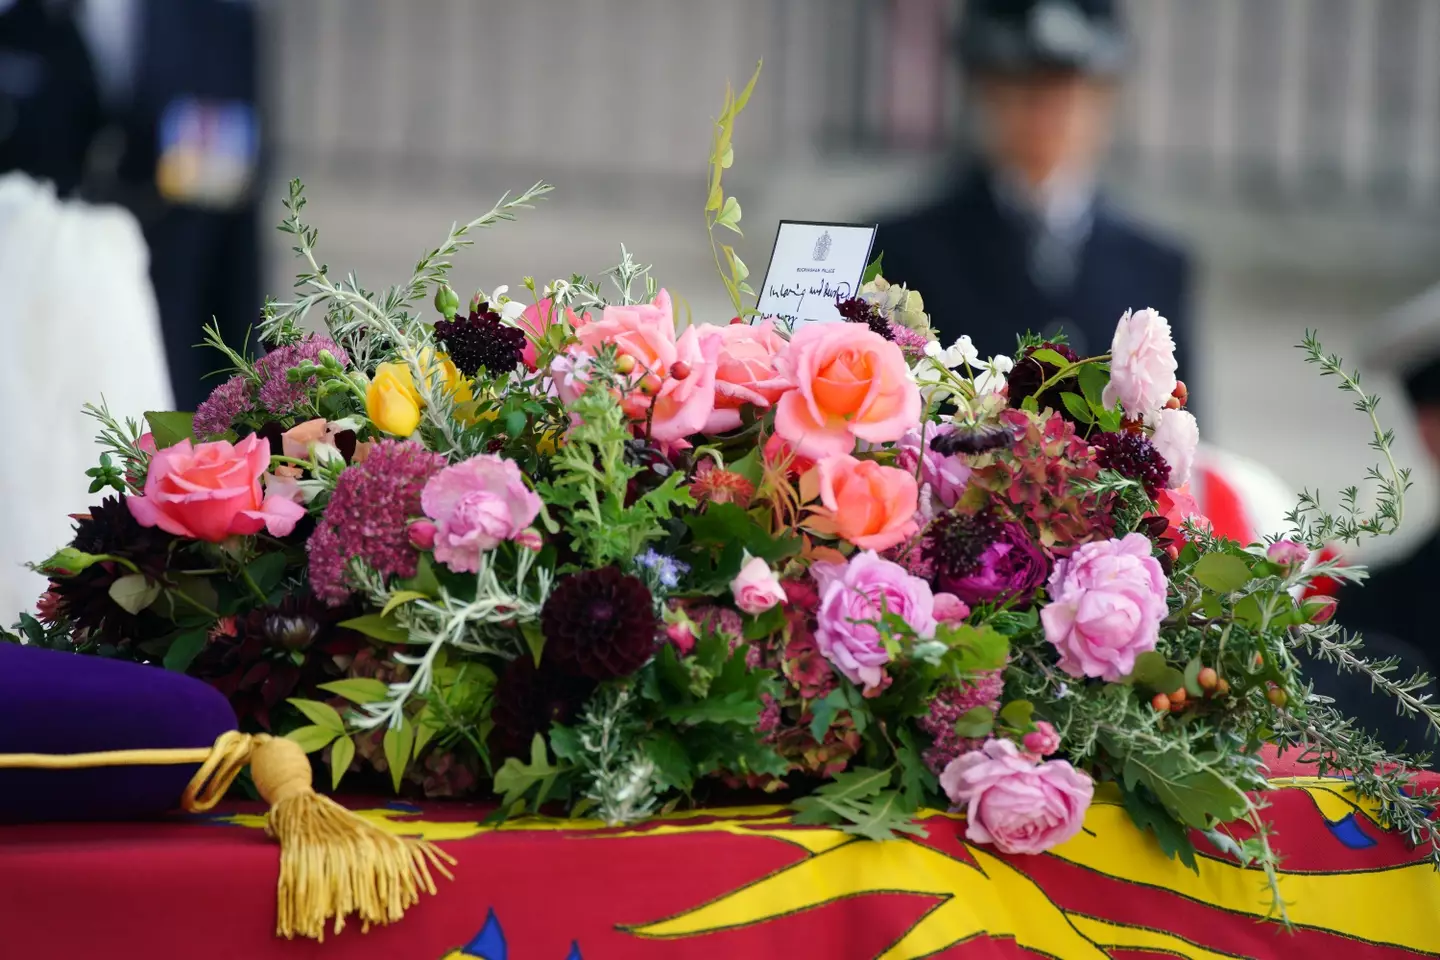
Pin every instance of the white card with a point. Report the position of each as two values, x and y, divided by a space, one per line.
812 266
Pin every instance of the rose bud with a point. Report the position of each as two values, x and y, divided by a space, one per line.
422 534
1319 609
1287 554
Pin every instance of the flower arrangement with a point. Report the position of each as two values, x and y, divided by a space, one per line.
569 549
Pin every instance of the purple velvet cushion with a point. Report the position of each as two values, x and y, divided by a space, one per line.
53 702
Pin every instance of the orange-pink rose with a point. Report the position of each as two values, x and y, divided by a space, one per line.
848 383
643 331
870 505
211 491
746 371
684 405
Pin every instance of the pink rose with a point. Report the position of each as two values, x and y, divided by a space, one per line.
211 491
477 505
870 505
1016 804
146 443
1287 554
853 597
1106 603
746 371
1178 506
950 609
536 321
1142 365
1175 438
756 588
684 404
1042 741
848 383
643 331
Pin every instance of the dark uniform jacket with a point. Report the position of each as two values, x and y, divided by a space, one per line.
969 259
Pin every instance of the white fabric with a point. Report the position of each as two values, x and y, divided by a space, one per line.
1264 495
78 322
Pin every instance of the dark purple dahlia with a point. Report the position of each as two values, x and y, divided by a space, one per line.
599 624
1029 374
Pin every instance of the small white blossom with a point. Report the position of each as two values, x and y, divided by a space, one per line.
991 378
961 352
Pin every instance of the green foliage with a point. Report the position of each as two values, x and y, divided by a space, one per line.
860 801
170 428
378 627
1149 814
516 780
184 648
873 269
723 211
720 538
1222 572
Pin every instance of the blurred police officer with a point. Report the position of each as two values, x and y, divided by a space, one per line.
1392 609
49 104
180 80
1024 241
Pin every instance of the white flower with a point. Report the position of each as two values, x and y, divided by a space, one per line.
1175 438
960 353
993 373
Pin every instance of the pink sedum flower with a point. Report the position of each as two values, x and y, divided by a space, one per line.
1106 603
1014 803
859 591
212 491
1042 741
1142 365
1176 438
848 383
477 505
756 588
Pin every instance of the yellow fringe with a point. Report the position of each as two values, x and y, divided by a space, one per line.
332 863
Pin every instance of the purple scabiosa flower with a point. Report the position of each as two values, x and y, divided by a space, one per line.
948 706
226 402
277 394
369 517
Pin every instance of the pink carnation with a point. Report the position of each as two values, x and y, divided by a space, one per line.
1142 365
1016 804
1107 601
476 506
853 596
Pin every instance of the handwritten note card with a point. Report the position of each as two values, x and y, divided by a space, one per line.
812 266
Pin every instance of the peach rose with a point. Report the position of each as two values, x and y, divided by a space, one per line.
870 505
848 383
746 371
644 331
211 491
684 405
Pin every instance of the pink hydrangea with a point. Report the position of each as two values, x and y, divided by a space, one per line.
477 505
1106 603
218 412
277 394
950 704
369 515
853 597
1014 803
1142 365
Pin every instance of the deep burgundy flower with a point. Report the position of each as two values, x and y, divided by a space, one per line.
599 624
984 561
528 700
858 310
1028 374
1132 455
84 599
482 339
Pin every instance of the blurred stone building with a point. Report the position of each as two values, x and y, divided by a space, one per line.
1296 143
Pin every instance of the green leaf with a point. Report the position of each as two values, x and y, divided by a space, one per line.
399 598
358 689
1030 404
134 592
1051 357
1195 799
70 560
515 423
1019 715
858 801
378 627
1149 814
170 427
729 216
427 724
873 269
424 582
856 784
728 158
320 714
737 267
399 745
184 648
1222 572
1108 421
565 743
534 639
1192 678
312 738
763 625
733 708
975 722
672 764
1092 384
977 648
515 779
267 571
822 713
1077 406
744 97
340 758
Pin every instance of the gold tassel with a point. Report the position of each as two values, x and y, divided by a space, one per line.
332 863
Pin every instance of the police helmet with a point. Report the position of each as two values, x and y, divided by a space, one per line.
1022 36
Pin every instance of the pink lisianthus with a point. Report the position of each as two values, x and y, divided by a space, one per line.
1016 804
211 491
1176 438
536 321
746 372
1178 506
1142 365
756 588
1106 603
683 405
569 373
477 505
847 383
1288 554
853 597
